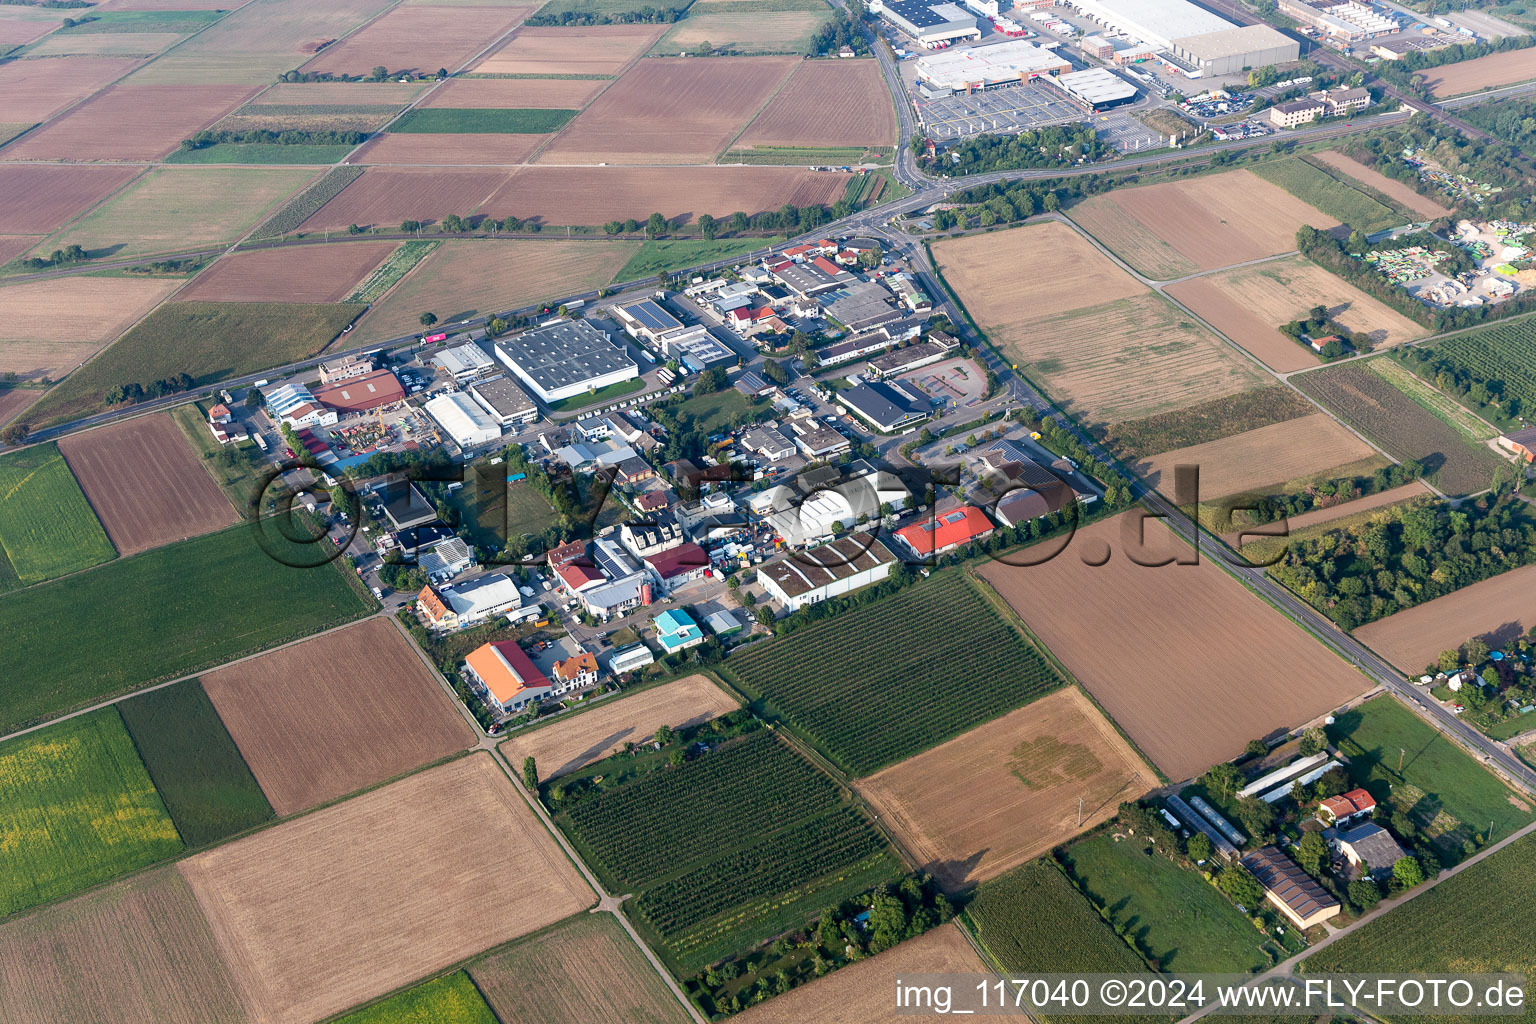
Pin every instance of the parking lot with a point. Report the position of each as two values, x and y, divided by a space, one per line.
1005 110
1125 133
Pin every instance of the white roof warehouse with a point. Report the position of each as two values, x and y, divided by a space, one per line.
566 358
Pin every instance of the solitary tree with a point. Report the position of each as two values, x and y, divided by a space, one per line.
655 225
530 773
1408 872
379 73
1364 893
1313 741
410 226
707 226
14 434
428 319
1311 851
664 735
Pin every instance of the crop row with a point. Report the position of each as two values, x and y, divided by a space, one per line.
307 203
1503 353
391 270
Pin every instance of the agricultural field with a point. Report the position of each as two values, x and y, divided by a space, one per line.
296 717
344 905
575 741
471 277
1208 421
47 528
195 766
387 274
295 211
130 122
189 337
1499 352
67 962
146 484
307 273
239 477
79 808
1175 228
525 93
1401 426
1417 771
1425 207
407 149
176 208
35 90
595 195
1488 72
52 325
1249 304
1006 792
662 256
735 846
884 709
798 115
584 50
37 199
861 993
1333 196
483 121
205 601
382 197
1156 647
1035 920
1259 459
1499 610
747 27
105 44
670 111
1177 918
418 39
584 970
451 999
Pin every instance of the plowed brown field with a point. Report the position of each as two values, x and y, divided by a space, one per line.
48 327
586 50
145 483
305 273
1188 662
351 902
575 742
19 31
1256 459
1008 791
670 111
420 39
423 148
12 246
1389 187
130 122
1488 72
40 199
515 93
332 715
35 90
1497 609
385 196
827 103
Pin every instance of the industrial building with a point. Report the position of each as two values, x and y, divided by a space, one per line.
1206 43
294 405
1347 20
831 570
647 319
697 349
1228 51
927 23
361 394
507 403
1097 88
463 361
463 419
566 358
887 405
1291 890
987 67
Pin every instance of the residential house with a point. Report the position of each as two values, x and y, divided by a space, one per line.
652 502
567 552
1345 808
575 672
1291 890
344 368
505 677
676 631
648 537
225 427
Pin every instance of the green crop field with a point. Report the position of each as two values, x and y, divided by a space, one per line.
166 613
667 255
386 274
143 21
1334 197
211 341
1404 762
860 686
476 121
76 808
1480 920
194 763
735 846
1179 920
449 1000
47 528
258 153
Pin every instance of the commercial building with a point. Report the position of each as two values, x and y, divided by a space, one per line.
462 418
649 537
647 319
678 565
722 623
946 532
1282 775
345 368
1097 88
446 558
823 498
1337 103
987 67
768 443
1292 891
362 393
696 349
629 659
1367 847
505 677
463 361
1029 491
886 405
1295 113
814 277
913 357
863 306
676 631
1097 46
504 401
471 603
575 672
1228 51
831 570
927 23
854 348
818 441
566 358
404 506
1345 20
1205 43
294 405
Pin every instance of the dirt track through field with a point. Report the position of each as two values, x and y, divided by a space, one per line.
577 741
307 273
1497 609
1008 791
332 715
146 483
1188 662
1260 458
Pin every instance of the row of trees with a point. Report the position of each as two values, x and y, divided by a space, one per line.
58 258
208 137
1274 507
646 15
133 393
1401 72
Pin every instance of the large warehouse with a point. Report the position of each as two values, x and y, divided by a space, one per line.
463 420
1097 88
1230 50
926 22
1192 34
566 358
985 67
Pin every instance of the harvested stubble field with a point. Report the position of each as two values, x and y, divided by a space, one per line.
1006 792
70 962
1176 228
295 715
745 29
470 277
1498 609
595 195
419 39
51 326
35 90
575 741
79 809
36 200
584 970
47 528
307 273
1395 190
1256 459
422 148
1249 304
671 111
524 93
330 94
992 273
129 122
1209 421
1488 72
799 115
588 50
175 208
105 44
19 31
146 484
1159 647
861 992
12 246
346 904
250 118
385 196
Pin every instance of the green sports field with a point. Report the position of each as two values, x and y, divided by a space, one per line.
448 1000
47 528
76 808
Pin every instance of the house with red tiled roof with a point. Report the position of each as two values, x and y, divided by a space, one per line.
504 675
575 672
1346 807
576 576
432 608
568 552
946 531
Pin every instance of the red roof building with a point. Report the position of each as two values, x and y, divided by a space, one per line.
506 675
652 501
827 266
360 394
568 552
1346 806
947 531
676 565
577 576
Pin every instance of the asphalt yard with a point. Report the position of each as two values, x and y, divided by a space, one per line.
1014 108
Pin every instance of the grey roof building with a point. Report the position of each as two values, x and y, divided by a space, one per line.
504 400
888 405
566 358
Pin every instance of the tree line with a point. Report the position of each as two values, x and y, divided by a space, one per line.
1052 146
263 137
646 15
